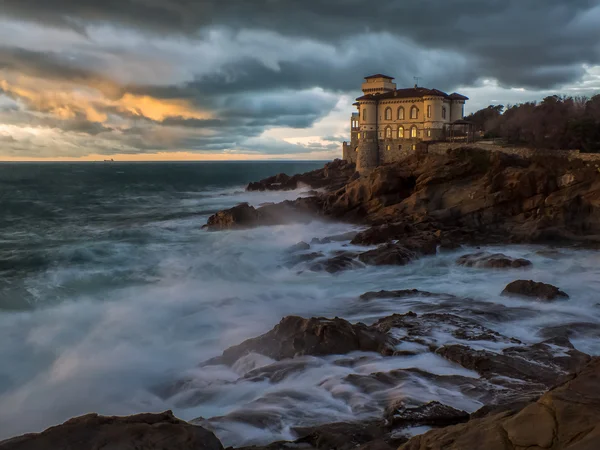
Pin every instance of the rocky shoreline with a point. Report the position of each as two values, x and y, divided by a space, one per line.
533 395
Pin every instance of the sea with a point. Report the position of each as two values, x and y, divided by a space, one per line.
112 295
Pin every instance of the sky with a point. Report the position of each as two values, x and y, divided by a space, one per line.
264 79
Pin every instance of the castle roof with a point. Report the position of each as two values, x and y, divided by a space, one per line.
416 92
379 75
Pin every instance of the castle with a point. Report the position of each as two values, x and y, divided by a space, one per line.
391 123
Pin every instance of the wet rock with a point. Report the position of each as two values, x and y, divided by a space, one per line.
142 431
242 216
296 259
332 176
529 288
300 246
491 261
336 264
540 363
387 255
296 336
404 293
340 436
383 233
572 330
566 417
428 329
433 414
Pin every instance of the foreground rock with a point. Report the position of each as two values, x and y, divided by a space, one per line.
567 417
492 261
333 176
143 431
296 336
245 216
529 288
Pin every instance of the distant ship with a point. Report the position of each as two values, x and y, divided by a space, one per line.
109 160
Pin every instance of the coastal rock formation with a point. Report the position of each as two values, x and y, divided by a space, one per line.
567 417
143 431
331 177
529 288
541 363
246 216
467 195
491 261
296 336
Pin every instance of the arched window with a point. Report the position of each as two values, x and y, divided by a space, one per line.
388 133
388 114
401 133
413 132
364 114
428 111
414 112
443 112
358 135
388 147
356 149
401 113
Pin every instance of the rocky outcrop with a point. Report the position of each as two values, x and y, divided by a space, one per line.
296 336
331 177
492 261
567 417
468 195
246 216
529 288
541 363
143 431
388 255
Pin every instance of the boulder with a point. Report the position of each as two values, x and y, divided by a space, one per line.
300 246
529 288
242 216
492 261
345 261
433 414
541 363
296 336
332 176
387 255
142 431
566 417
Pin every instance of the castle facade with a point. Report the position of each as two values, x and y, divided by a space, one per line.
391 123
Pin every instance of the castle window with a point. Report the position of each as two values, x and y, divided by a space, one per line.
401 133
358 135
388 147
388 114
364 114
388 133
401 113
414 112
400 147
356 149
428 133
428 111
443 112
414 132
414 146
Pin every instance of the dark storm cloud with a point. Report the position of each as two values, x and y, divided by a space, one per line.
505 39
48 65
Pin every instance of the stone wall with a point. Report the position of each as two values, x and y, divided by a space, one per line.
391 150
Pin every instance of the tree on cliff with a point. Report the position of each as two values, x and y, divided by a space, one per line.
555 123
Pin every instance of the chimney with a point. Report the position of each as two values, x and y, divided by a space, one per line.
415 85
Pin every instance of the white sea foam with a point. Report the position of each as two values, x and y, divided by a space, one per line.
106 333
